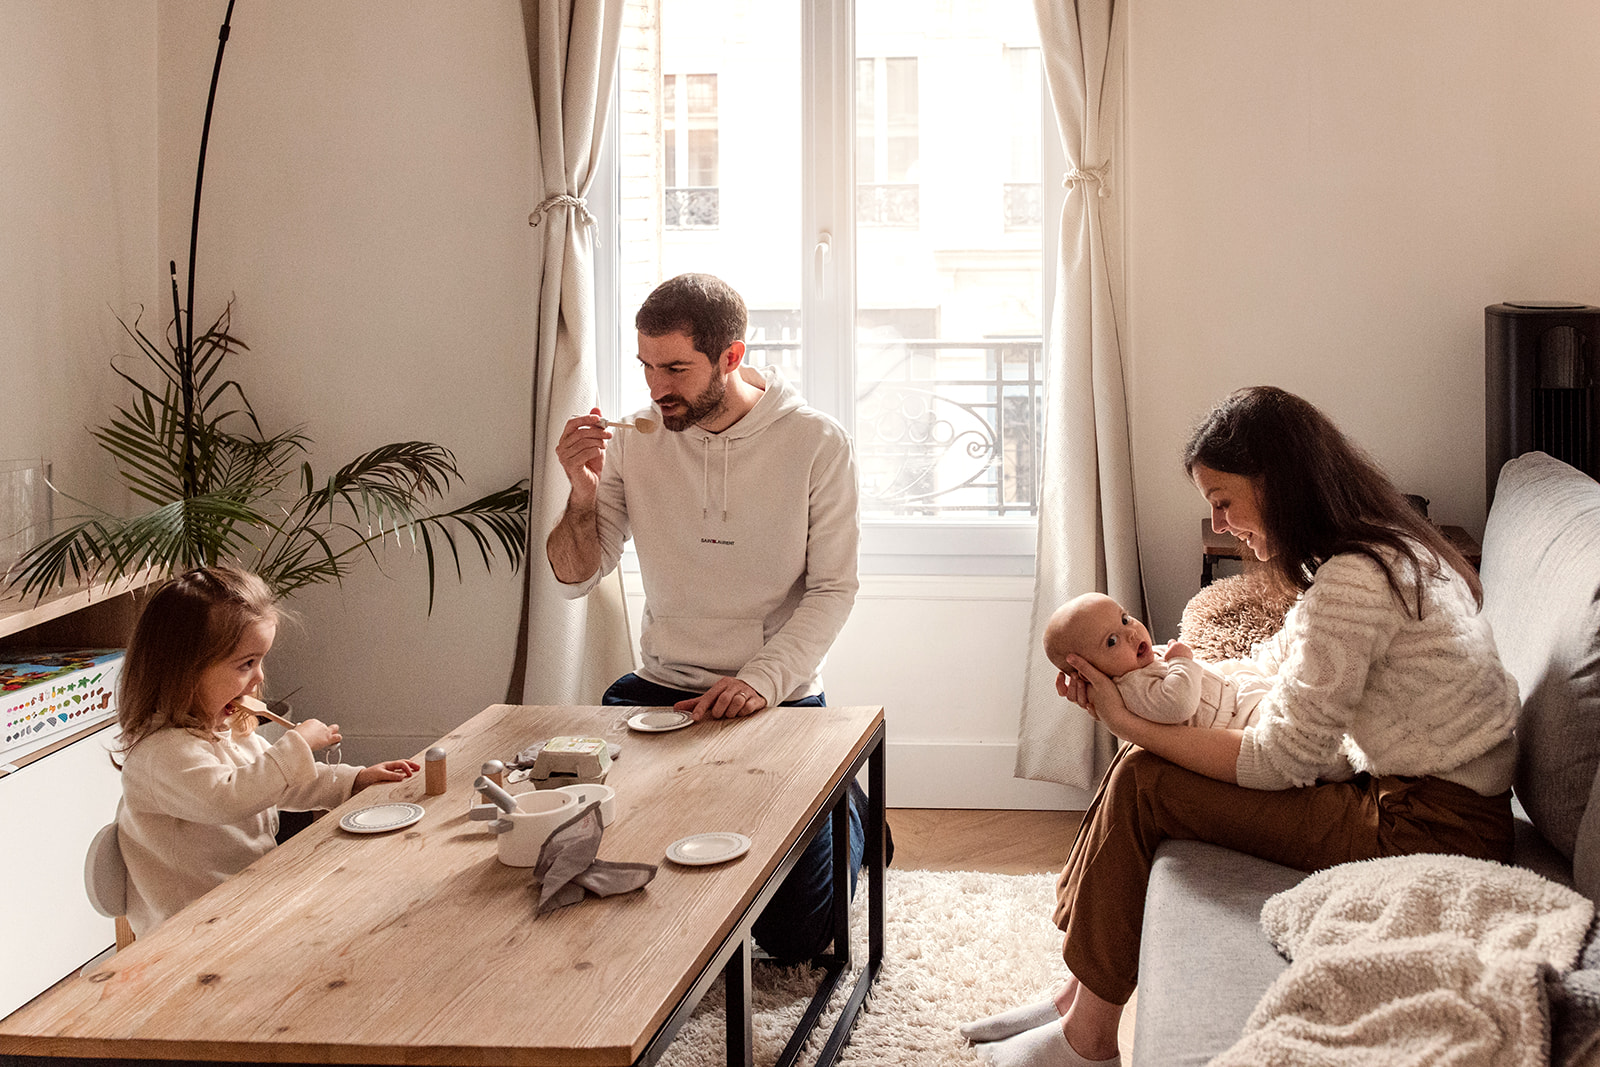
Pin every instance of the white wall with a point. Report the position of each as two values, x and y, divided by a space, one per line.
366 202
77 224
1325 197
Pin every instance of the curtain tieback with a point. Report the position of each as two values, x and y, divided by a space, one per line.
1079 175
560 200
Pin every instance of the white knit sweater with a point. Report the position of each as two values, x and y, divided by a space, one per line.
1364 685
197 810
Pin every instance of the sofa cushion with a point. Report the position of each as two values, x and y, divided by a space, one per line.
1203 958
1541 578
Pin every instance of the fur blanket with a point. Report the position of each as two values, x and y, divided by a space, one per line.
1225 618
1413 960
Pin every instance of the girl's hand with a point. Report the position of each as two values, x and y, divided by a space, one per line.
317 734
394 770
1178 650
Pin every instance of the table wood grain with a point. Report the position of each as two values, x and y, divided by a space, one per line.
418 946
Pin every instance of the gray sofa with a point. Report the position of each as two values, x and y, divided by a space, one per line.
1205 962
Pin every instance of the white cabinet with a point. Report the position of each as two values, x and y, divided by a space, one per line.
52 804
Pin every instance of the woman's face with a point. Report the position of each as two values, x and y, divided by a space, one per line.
1235 507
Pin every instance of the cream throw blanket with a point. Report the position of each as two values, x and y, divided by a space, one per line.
1413 960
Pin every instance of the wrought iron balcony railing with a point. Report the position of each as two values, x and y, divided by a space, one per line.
691 207
944 427
888 205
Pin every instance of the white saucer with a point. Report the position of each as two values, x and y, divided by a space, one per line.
381 817
698 850
659 721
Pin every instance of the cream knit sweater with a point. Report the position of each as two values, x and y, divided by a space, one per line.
198 809
1364 685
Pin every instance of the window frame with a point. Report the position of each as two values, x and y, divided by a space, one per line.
973 546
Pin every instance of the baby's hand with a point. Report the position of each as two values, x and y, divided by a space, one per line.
317 734
393 771
1178 650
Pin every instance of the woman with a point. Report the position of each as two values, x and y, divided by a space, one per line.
1388 726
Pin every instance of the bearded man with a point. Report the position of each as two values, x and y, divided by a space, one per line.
744 518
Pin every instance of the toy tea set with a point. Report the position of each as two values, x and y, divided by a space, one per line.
555 827
567 773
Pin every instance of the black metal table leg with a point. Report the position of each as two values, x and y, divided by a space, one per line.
738 1009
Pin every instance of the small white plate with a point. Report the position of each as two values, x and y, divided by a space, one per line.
698 850
659 721
382 817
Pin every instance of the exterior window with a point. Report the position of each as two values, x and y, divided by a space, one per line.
925 297
689 150
1021 197
886 141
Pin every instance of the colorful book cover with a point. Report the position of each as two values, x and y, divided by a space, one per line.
46 693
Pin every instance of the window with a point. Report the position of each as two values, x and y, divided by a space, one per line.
882 224
886 141
689 150
1022 187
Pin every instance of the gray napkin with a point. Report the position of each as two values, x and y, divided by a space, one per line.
567 866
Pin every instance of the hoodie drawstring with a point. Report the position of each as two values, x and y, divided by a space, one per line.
705 478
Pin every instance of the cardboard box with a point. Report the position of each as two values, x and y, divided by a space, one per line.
45 694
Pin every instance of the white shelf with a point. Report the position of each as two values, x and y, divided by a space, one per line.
18 613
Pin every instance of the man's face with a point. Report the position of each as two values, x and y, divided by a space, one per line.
684 383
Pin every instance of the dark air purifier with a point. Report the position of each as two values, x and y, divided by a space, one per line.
1542 384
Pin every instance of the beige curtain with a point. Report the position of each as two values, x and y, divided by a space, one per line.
573 649
1086 522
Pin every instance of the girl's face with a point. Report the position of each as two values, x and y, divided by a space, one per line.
1235 507
237 674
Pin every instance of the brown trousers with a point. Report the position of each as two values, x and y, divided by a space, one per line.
1144 800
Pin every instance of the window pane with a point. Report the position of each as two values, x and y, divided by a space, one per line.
949 369
702 96
866 107
709 136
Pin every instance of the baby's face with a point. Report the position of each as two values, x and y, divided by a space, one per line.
1111 639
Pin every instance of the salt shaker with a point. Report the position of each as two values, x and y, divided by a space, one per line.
433 764
495 771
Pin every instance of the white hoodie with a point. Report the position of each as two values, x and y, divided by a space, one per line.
747 543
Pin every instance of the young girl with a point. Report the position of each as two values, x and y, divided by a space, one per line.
200 789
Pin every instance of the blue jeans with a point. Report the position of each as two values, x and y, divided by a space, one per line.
797 923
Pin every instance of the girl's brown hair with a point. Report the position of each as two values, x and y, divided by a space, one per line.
192 622
1320 494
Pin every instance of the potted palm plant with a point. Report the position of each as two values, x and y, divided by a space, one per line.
220 488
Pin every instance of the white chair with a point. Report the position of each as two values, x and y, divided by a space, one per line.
105 879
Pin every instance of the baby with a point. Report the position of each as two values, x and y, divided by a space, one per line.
1163 685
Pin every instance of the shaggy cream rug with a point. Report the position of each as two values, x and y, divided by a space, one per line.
958 945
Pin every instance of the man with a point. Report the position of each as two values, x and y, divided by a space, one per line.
743 515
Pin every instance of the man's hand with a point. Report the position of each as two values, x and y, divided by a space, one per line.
573 547
728 699
582 453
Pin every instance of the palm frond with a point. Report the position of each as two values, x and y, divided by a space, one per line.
191 444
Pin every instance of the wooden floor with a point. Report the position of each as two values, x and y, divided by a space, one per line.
998 842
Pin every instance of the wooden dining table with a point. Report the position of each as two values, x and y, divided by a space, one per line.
418 946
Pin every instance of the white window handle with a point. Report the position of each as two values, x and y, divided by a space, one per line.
821 255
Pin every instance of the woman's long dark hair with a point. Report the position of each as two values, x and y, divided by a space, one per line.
1319 493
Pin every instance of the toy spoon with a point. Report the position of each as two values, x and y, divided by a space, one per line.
501 799
641 423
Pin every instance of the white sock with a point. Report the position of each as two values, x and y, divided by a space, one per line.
1010 1023
1043 1046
